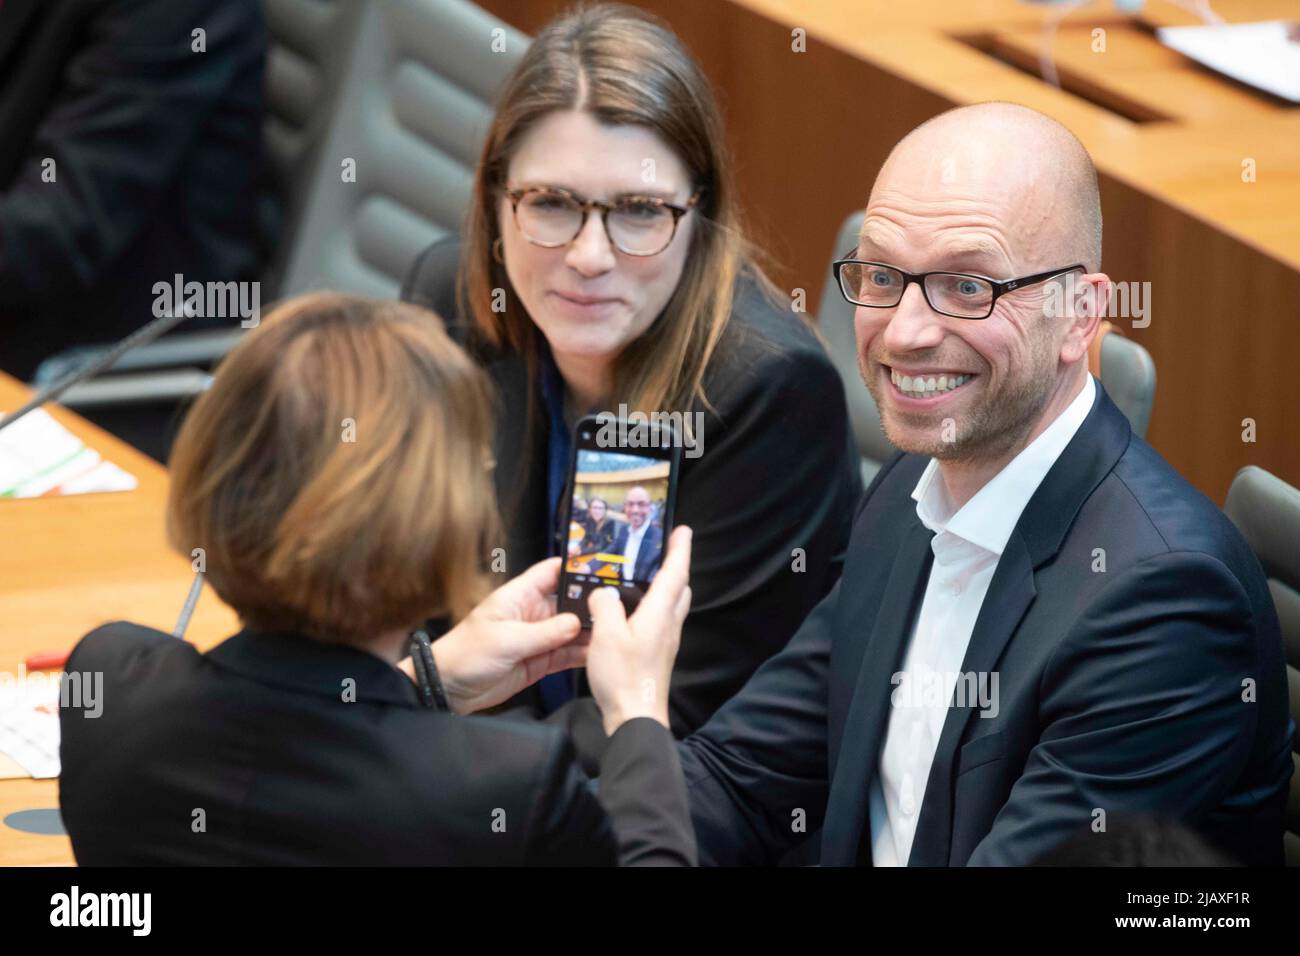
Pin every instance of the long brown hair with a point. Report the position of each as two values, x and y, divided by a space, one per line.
335 475
625 67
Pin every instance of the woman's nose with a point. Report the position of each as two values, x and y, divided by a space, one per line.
591 253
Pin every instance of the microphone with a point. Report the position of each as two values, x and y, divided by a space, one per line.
141 336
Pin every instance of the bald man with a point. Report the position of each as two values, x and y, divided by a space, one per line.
640 542
1041 629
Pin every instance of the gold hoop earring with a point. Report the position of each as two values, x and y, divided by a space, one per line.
497 253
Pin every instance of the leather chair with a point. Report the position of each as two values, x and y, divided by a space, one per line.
1267 512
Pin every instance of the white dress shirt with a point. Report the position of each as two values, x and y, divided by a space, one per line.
967 546
634 538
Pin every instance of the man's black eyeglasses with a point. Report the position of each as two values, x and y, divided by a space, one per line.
961 295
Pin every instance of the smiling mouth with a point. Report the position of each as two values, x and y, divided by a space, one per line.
920 387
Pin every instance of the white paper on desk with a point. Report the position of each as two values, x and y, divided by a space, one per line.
29 724
38 456
1261 54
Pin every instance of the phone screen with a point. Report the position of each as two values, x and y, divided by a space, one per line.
619 512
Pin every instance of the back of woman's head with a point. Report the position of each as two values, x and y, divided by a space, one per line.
334 476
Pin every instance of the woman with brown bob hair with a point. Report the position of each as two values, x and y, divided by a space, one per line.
603 267
333 488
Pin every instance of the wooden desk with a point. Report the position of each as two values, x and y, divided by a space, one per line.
68 565
809 131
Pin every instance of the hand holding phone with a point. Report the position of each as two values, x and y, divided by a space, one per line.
630 660
512 639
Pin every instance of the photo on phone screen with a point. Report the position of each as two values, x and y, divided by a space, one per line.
618 516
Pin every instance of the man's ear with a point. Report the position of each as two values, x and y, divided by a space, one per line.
1089 301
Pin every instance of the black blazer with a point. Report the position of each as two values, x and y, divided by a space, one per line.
779 472
253 754
1122 691
157 150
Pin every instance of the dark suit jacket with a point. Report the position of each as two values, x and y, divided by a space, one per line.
157 151
779 472
649 556
256 740
1124 691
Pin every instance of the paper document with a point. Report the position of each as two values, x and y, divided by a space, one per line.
1265 55
29 725
38 456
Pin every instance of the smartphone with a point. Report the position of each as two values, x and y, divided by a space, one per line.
618 509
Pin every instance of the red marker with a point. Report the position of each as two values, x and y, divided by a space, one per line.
48 660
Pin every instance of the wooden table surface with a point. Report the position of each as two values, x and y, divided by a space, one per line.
69 564
948 46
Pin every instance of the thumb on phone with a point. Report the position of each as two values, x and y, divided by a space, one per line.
607 613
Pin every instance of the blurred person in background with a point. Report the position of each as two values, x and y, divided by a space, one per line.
130 154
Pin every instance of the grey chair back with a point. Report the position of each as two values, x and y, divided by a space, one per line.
1267 512
1129 374
835 321
413 107
1127 371
307 57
